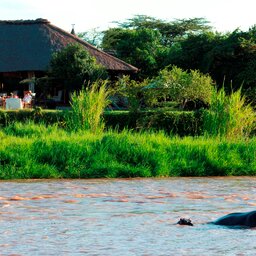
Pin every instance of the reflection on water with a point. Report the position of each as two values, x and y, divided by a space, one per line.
124 217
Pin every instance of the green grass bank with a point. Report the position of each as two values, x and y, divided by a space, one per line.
36 151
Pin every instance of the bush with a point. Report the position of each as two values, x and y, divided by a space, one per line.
88 107
180 123
182 86
229 116
36 115
175 122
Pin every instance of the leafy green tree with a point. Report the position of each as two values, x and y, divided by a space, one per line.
171 31
248 51
182 86
75 67
147 42
133 91
141 47
193 52
231 62
229 58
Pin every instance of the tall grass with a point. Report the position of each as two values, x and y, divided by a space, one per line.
87 108
32 151
229 116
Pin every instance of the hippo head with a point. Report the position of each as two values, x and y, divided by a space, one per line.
184 221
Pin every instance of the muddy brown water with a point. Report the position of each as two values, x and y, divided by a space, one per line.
125 217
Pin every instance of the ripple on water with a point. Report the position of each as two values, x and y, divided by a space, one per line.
124 217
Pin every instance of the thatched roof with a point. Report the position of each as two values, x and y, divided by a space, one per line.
27 45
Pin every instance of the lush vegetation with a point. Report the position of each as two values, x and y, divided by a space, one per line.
74 66
229 116
88 106
182 86
30 150
182 67
37 151
191 44
182 123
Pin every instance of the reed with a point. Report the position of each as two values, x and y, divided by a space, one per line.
87 108
229 116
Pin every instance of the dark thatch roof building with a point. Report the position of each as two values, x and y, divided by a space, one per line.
26 47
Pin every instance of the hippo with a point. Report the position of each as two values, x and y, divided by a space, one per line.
246 219
237 219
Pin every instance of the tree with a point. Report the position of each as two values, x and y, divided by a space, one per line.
75 66
182 86
93 36
141 47
229 58
146 42
171 31
193 52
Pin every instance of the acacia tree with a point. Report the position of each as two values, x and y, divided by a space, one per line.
170 31
146 42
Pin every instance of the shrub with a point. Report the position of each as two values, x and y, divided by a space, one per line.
88 107
182 86
229 116
180 123
38 116
176 122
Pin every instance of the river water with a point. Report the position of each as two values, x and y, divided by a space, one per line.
125 217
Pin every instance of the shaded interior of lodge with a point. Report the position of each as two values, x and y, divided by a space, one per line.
26 48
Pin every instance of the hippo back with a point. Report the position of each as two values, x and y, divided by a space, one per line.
247 219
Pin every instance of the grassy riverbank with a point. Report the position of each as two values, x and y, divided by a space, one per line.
37 151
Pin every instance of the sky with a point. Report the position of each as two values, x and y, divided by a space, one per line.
223 15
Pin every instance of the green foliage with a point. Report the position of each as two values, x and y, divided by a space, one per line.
88 107
152 44
170 31
175 122
132 90
28 150
36 115
193 52
146 42
74 65
229 115
140 47
227 57
182 123
182 86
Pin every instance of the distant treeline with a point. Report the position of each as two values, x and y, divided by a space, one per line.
191 44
